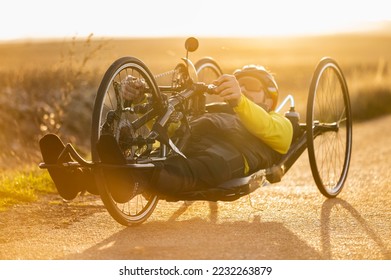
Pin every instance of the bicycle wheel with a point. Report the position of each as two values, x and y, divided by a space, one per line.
127 122
329 128
207 71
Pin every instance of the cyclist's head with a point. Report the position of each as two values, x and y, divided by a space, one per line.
258 85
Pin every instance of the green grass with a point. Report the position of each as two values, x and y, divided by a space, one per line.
23 186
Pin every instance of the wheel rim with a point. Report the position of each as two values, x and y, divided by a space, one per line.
330 151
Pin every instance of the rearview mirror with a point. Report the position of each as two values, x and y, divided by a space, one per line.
191 44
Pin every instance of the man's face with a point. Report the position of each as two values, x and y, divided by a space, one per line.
253 89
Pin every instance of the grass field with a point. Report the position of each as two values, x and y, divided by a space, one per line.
50 86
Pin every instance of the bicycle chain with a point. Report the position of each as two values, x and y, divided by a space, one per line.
164 74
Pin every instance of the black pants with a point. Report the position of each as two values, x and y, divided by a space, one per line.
197 172
206 168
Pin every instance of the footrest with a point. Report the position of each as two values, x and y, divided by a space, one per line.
109 151
69 179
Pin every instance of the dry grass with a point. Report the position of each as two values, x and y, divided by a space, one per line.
50 86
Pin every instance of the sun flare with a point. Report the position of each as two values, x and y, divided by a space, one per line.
150 18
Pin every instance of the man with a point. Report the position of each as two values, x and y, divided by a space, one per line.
224 146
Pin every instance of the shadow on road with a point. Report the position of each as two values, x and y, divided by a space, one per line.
201 239
205 239
327 207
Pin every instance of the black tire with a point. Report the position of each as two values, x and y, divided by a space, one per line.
138 207
207 71
329 128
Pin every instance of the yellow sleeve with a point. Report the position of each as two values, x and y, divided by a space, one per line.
272 128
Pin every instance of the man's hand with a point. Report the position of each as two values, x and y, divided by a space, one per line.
133 89
228 88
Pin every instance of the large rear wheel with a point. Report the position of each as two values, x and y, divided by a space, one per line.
329 128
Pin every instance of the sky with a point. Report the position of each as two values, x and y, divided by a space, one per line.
38 19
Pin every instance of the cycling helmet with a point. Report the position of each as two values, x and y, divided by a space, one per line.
267 80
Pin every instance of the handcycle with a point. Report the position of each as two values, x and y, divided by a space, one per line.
141 134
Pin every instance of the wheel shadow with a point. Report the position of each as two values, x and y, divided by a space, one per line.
326 239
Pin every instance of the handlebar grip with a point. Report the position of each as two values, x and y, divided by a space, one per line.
202 87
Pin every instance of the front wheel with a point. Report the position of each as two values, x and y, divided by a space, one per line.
329 128
125 199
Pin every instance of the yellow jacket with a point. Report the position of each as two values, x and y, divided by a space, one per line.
272 128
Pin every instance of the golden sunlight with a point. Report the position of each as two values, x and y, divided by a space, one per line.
219 18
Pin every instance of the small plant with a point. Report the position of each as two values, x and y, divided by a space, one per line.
72 76
23 186
56 98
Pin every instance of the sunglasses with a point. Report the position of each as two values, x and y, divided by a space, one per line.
250 84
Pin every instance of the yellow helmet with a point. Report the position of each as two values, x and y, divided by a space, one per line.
267 80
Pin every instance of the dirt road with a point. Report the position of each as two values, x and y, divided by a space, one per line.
288 220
